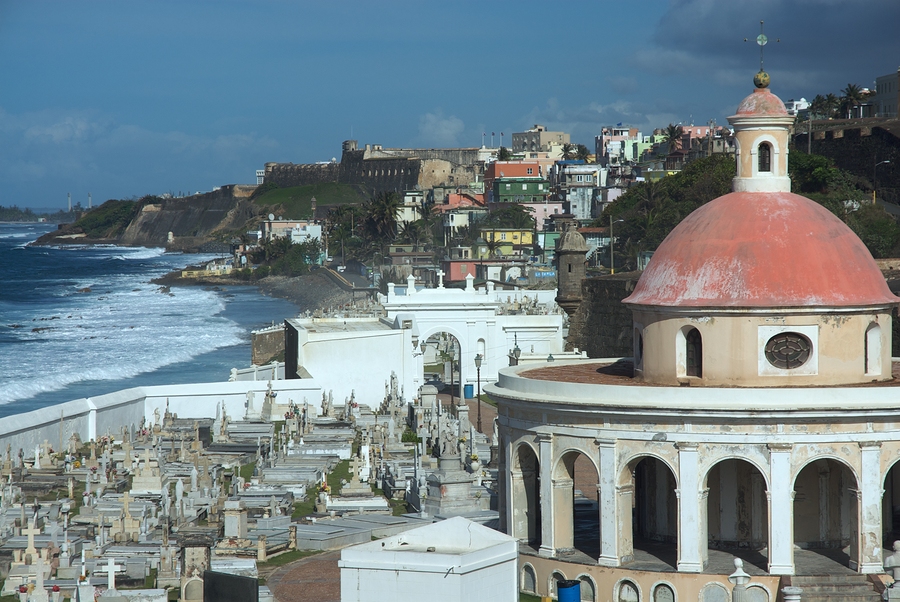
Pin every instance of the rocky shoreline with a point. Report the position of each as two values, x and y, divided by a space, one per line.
309 292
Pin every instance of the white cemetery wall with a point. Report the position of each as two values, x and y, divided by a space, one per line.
357 361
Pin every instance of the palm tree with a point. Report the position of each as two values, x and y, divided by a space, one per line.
381 216
568 151
818 107
414 232
853 96
582 152
832 103
672 136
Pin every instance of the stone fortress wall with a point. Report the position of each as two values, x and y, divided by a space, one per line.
378 169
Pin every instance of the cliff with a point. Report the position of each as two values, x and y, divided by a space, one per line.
195 222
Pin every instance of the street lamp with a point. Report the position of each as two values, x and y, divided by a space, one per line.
874 186
478 369
612 259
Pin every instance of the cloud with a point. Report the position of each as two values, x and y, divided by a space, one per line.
437 130
47 153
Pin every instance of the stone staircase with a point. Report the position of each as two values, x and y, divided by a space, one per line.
836 588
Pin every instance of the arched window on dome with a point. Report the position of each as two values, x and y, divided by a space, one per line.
873 349
693 353
764 155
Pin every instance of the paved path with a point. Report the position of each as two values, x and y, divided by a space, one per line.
316 578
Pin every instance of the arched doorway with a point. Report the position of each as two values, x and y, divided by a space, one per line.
576 506
825 511
737 511
526 496
441 363
890 510
648 512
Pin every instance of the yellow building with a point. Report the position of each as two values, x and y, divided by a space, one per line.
514 236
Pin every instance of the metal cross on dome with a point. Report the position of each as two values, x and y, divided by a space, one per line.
762 40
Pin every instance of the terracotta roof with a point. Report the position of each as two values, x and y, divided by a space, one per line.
755 249
761 102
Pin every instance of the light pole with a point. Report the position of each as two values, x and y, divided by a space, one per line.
478 369
874 171
612 259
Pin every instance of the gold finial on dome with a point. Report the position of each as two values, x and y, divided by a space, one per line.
761 79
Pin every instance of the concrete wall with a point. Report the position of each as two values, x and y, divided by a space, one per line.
94 417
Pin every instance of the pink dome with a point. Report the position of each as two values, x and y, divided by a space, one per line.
761 102
759 250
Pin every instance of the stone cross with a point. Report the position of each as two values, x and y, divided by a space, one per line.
111 568
125 499
31 532
355 464
440 274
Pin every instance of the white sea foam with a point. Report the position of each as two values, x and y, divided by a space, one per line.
122 327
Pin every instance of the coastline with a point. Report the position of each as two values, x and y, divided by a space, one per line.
310 292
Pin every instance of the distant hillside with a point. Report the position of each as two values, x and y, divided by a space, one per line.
295 202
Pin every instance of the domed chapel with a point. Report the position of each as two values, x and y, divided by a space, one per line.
759 416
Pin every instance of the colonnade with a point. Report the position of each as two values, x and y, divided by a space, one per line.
825 495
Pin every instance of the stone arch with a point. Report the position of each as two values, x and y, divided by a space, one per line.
890 505
647 506
575 471
757 592
529 579
193 589
737 507
525 521
826 507
715 592
588 588
626 590
555 577
873 349
628 465
749 458
462 340
689 351
775 153
663 591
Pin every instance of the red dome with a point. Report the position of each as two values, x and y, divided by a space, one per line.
749 249
761 102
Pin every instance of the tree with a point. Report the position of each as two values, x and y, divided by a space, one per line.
672 137
414 232
380 223
582 153
818 107
511 215
568 151
503 154
832 104
853 96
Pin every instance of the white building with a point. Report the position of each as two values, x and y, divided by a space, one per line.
454 560
349 354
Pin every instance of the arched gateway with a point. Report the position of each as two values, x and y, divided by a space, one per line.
758 415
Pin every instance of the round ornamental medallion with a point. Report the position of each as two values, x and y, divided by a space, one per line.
788 350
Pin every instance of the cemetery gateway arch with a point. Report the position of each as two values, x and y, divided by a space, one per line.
484 321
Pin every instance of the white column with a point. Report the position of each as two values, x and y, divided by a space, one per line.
606 488
507 493
781 510
869 506
690 557
548 545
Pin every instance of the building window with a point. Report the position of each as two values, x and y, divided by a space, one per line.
788 350
530 171
462 268
503 236
873 350
508 186
765 157
524 186
540 187
694 353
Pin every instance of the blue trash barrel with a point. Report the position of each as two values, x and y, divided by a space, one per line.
568 590
469 391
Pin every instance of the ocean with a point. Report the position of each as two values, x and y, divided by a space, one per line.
80 321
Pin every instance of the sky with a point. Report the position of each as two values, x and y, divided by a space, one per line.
123 99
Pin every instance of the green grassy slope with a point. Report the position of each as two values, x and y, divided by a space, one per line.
296 199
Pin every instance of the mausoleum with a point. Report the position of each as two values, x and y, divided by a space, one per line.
757 418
